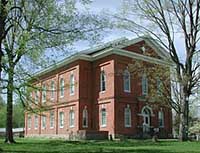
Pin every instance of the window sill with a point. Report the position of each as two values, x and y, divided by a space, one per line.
127 91
102 92
71 126
51 127
84 126
103 126
128 126
71 94
61 127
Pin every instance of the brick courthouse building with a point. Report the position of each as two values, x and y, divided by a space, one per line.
92 94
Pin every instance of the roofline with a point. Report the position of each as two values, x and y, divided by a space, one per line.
117 51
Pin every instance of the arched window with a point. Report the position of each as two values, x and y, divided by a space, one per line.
62 87
72 84
51 119
144 85
102 81
127 81
44 93
29 122
52 89
36 121
71 118
161 119
127 116
61 121
85 118
103 117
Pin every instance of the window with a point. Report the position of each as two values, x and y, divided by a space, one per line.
85 117
51 119
72 84
61 115
103 117
127 116
126 78
36 121
43 122
161 119
71 118
29 121
144 85
36 97
62 87
52 89
44 93
102 81
159 86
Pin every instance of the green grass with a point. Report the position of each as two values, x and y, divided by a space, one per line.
33 145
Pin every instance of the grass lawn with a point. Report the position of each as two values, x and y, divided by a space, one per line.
33 145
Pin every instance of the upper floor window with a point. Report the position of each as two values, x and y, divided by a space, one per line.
36 96
103 81
103 117
29 121
61 121
43 122
36 121
51 119
71 118
144 85
127 116
62 87
72 84
44 93
161 119
127 81
52 89
159 86
85 117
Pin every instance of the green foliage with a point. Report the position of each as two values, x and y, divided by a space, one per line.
28 145
195 129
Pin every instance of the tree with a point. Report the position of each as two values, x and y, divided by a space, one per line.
32 27
167 22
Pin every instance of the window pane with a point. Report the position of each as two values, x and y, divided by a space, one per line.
103 81
62 85
61 114
103 117
71 118
85 118
72 84
51 119
126 78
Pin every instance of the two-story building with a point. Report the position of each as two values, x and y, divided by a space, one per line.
93 94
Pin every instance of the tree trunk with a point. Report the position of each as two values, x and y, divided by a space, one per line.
184 115
9 123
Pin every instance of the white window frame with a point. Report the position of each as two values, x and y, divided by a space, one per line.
44 93
36 121
71 118
29 122
61 119
127 114
44 122
36 96
127 81
85 118
161 119
52 119
62 87
103 117
144 85
102 81
72 84
52 89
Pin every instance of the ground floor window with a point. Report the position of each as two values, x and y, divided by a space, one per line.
161 119
103 117
29 121
71 118
36 121
43 122
51 119
61 119
85 117
127 116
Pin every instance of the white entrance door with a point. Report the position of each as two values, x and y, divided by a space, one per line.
146 120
